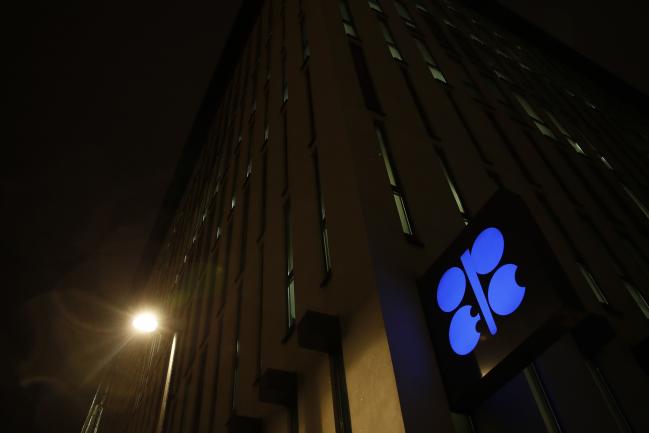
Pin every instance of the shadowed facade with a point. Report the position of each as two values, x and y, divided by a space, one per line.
341 148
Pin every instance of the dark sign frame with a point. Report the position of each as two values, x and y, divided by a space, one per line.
549 309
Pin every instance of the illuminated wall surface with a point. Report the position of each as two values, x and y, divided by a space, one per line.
398 216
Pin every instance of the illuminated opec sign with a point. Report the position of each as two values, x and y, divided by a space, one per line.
494 300
502 297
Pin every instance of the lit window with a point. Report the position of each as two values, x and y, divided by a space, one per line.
374 4
403 213
404 14
571 141
557 124
347 19
399 200
233 201
538 122
430 62
454 192
605 162
324 234
387 36
290 280
575 146
527 107
545 130
218 232
594 287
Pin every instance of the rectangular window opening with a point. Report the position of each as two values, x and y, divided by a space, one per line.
594 287
640 300
290 281
637 201
397 193
365 79
389 40
454 191
348 24
374 4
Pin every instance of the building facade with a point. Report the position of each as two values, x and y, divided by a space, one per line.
342 147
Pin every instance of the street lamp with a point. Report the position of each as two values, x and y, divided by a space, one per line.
145 322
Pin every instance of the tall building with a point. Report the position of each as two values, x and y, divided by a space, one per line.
345 151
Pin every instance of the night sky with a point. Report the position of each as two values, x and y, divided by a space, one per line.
102 96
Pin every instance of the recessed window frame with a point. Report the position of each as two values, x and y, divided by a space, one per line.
398 194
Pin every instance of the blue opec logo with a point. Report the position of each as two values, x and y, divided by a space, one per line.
503 295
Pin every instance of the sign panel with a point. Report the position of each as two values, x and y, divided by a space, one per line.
494 300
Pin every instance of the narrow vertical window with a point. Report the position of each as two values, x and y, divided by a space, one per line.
309 100
249 151
636 200
285 149
454 191
348 23
389 40
244 230
260 309
306 51
592 283
266 126
237 350
538 122
640 300
397 192
290 281
430 62
402 10
233 197
365 79
284 79
566 135
264 188
324 235
421 7
339 392
374 4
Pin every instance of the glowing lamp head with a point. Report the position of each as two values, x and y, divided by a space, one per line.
145 323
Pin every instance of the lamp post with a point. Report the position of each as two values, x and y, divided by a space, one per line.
145 322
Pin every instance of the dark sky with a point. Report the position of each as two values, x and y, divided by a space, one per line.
102 96
611 33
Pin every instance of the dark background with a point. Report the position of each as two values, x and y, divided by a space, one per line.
101 99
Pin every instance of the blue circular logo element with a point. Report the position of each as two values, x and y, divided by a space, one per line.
450 289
